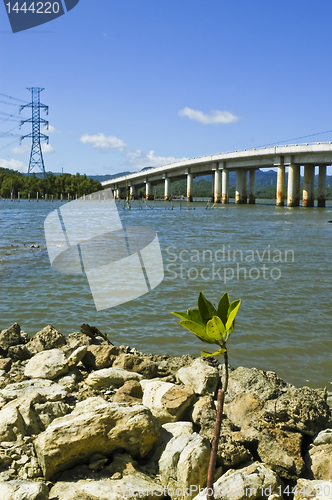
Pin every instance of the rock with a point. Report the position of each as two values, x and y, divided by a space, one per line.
244 412
300 410
47 364
168 402
179 428
110 377
204 409
169 431
93 332
78 339
261 385
184 464
19 353
50 390
200 376
100 356
281 451
250 483
313 490
47 412
10 337
95 426
131 487
77 355
319 462
70 380
11 424
130 392
23 490
324 437
139 364
47 338
5 364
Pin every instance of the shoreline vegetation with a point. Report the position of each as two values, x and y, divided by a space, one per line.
81 417
69 186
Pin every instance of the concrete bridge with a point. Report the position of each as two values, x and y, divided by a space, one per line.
242 162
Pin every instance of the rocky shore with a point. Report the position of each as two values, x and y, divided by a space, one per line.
83 419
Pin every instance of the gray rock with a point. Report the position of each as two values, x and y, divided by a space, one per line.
47 364
78 339
318 462
5 364
137 363
98 357
184 464
47 412
23 490
110 377
19 353
50 390
95 426
11 337
250 483
313 490
77 355
200 376
324 437
47 338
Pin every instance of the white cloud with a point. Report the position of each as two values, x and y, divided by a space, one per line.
50 130
101 141
141 160
20 150
14 165
214 117
47 148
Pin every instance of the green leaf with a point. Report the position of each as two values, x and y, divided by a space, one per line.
181 315
223 307
232 311
206 309
195 315
217 353
197 329
215 329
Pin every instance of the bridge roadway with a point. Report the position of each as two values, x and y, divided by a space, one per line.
242 162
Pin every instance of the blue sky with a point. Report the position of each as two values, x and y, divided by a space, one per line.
136 83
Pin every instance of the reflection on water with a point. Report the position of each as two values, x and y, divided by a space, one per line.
277 260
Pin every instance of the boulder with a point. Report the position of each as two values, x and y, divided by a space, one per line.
260 384
137 363
168 431
313 490
77 355
204 409
49 411
168 402
47 338
110 377
50 390
11 424
78 339
130 392
18 353
183 464
200 376
5 364
319 462
23 490
323 437
281 451
47 365
250 483
130 487
98 357
95 426
11 337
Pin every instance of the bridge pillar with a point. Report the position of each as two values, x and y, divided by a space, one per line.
241 186
117 194
224 186
132 192
190 179
252 179
321 186
308 186
217 186
168 189
281 184
148 191
293 188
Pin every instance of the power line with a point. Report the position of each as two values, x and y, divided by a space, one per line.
10 97
294 139
9 103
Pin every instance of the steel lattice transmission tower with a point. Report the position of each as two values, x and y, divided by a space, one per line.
36 155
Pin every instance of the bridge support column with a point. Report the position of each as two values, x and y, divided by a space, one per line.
321 186
281 185
224 186
241 186
252 179
190 179
117 194
148 191
168 189
132 192
308 186
217 186
293 188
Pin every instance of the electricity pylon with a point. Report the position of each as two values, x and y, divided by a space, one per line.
36 155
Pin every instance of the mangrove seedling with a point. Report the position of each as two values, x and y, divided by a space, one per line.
213 326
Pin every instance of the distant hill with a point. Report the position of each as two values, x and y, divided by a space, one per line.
106 177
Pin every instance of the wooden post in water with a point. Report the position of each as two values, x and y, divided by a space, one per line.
61 197
28 196
37 195
18 196
45 196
